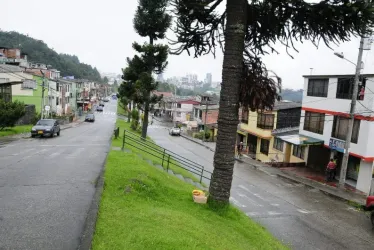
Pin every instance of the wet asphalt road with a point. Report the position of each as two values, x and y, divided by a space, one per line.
299 216
47 185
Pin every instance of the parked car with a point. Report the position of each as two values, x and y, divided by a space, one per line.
99 109
369 206
46 127
101 104
106 99
90 118
175 131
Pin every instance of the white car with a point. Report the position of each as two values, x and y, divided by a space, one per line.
175 131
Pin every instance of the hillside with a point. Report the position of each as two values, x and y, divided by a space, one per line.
39 52
292 95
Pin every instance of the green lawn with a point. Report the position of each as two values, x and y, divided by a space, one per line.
145 208
15 130
153 155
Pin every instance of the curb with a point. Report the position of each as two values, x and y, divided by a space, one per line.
201 144
324 189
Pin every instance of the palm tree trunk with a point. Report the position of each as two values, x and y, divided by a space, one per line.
228 119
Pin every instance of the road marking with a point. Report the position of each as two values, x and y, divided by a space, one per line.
275 204
251 214
303 211
274 213
257 195
249 199
236 203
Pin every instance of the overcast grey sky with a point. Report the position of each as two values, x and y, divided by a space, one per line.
100 33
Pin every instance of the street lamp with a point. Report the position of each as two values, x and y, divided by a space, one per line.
341 55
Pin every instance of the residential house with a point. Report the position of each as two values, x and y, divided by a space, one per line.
12 79
325 113
206 115
182 109
267 135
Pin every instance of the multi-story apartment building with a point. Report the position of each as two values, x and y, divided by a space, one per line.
325 113
182 109
272 135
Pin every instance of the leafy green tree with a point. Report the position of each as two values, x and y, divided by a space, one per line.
152 21
135 119
246 30
10 113
105 80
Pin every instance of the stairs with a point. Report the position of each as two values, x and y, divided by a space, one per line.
170 172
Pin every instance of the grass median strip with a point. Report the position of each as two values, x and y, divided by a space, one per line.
152 152
15 130
144 208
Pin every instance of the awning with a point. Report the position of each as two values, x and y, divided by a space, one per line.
242 132
301 140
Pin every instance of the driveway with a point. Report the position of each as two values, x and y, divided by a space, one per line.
47 184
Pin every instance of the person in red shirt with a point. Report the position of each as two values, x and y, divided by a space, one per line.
330 170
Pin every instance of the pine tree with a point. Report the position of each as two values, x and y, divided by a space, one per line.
152 21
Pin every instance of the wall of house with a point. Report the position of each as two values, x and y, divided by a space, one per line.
35 98
365 176
252 126
330 105
211 117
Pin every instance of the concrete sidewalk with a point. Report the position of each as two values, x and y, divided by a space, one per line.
346 195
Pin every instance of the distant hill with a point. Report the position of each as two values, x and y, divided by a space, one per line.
39 52
292 95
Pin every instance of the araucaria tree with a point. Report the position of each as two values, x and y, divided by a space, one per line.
246 30
151 21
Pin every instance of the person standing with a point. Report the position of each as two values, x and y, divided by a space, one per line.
330 169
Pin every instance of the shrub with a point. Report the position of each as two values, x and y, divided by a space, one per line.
10 113
135 119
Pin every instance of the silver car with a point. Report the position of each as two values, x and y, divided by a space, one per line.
175 131
46 127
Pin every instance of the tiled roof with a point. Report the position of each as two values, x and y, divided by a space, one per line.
5 68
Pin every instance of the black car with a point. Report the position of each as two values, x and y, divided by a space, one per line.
46 127
90 118
99 109
101 104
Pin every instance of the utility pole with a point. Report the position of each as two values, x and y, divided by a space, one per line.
206 113
343 170
43 89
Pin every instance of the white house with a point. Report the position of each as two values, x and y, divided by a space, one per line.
182 110
325 112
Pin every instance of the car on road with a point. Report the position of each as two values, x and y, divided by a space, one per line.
90 118
46 127
369 206
175 131
101 104
106 99
99 109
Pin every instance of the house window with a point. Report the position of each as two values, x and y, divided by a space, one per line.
345 88
314 122
264 148
340 128
200 114
265 121
298 151
278 144
179 105
244 116
6 92
318 87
